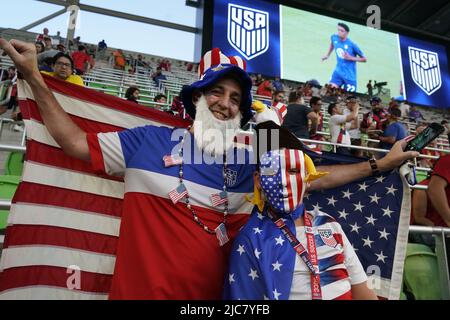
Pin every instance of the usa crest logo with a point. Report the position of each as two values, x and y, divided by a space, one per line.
425 70
248 30
328 237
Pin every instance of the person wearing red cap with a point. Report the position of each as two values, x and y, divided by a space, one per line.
180 213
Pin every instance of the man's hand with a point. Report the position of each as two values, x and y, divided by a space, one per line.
396 156
23 55
325 57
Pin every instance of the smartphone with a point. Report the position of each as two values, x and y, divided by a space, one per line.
423 139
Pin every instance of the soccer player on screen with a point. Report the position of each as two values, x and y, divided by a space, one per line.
347 54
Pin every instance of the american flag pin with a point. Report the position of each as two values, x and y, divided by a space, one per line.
219 198
221 234
172 160
178 193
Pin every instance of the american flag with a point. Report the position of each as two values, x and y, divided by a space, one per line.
219 198
178 193
282 109
63 213
374 214
172 160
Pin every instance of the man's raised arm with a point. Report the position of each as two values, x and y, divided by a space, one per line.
65 132
342 174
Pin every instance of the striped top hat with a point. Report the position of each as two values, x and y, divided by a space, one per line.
214 66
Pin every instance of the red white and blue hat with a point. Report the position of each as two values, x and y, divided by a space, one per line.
213 66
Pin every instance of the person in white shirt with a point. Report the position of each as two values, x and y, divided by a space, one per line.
339 125
355 133
404 108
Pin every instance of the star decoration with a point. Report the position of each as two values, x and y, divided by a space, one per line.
347 194
380 256
253 274
279 240
241 250
374 198
367 242
371 220
355 228
257 230
384 234
391 190
276 266
331 201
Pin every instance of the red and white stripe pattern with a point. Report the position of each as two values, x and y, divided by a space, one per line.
215 57
64 214
293 184
281 110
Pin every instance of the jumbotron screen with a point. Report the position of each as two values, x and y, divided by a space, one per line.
297 45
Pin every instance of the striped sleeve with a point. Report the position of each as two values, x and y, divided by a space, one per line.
110 152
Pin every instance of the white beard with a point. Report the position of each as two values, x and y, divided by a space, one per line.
212 135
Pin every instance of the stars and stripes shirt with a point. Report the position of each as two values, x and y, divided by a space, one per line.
162 252
263 265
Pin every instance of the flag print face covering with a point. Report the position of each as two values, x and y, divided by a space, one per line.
283 179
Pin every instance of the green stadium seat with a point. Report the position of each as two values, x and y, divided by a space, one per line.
8 186
421 175
14 164
421 273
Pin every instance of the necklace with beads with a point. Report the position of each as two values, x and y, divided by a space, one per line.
220 198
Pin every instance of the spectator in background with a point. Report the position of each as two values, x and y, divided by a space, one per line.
63 69
61 48
339 123
189 66
277 84
40 37
354 131
316 106
393 104
370 89
58 39
405 108
132 94
425 162
265 89
48 43
101 49
439 189
80 59
444 123
394 131
40 47
160 98
278 97
119 60
158 76
298 115
91 62
307 90
45 58
415 115
259 79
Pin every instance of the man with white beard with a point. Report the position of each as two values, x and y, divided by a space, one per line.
178 215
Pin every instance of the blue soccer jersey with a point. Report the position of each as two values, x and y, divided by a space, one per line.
345 71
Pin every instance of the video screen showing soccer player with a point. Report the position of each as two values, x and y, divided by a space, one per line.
338 52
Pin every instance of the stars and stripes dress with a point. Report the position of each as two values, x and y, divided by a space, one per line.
263 265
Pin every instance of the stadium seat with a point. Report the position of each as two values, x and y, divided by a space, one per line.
14 164
421 273
8 186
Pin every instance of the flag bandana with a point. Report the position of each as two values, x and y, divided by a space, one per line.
283 189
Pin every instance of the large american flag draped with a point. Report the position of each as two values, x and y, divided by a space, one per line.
64 214
374 214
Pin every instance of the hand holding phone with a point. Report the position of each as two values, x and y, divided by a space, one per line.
425 137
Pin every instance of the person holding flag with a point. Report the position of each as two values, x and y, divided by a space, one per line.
317 262
176 229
